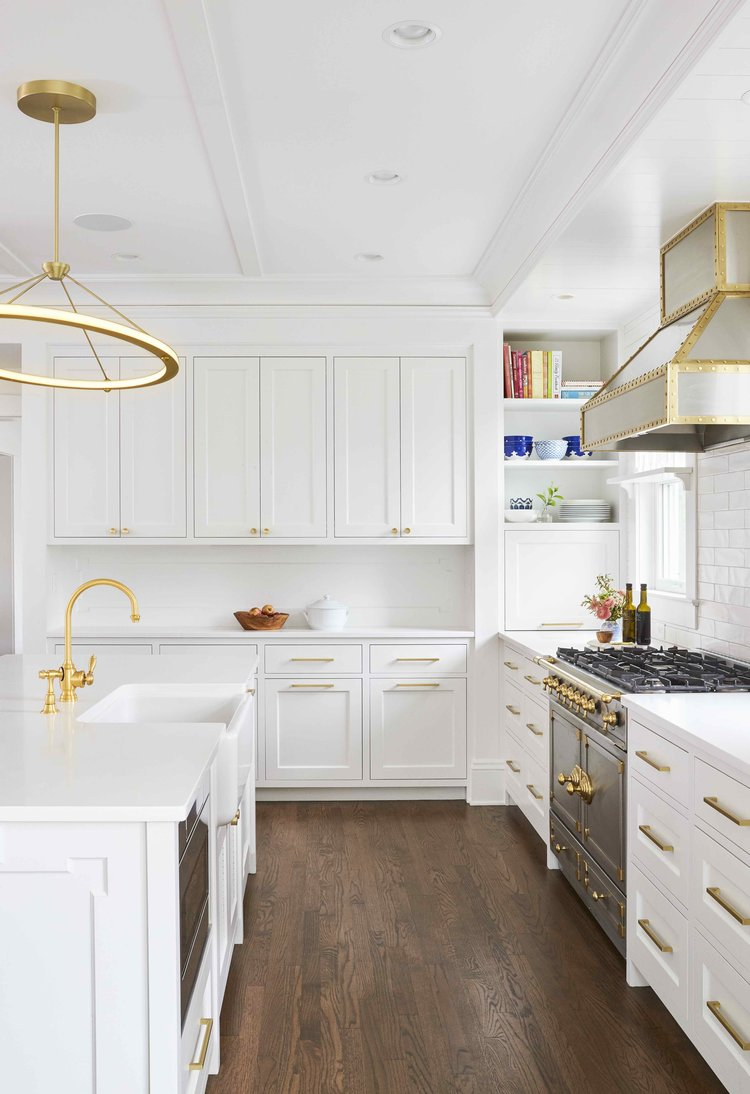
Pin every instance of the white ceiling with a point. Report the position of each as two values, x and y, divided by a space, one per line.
237 136
696 151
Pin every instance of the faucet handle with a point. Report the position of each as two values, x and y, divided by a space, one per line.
88 677
50 675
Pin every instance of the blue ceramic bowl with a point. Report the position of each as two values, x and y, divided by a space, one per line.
574 448
517 446
551 450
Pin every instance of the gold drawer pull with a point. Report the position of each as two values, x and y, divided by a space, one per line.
646 829
649 931
432 660
715 1007
312 685
326 659
512 766
533 680
598 896
512 709
199 1064
652 763
534 792
715 893
714 803
511 666
235 819
417 685
534 730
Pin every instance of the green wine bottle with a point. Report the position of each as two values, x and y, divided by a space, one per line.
643 620
628 615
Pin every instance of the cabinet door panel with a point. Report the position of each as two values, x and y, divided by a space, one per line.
433 446
86 453
367 457
227 446
418 731
313 731
547 572
153 481
293 447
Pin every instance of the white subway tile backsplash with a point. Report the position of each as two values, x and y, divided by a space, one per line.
738 461
712 465
733 481
733 518
719 575
737 576
738 537
728 556
716 537
739 499
706 590
713 503
706 520
740 651
706 556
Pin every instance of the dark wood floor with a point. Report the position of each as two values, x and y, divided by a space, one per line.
424 946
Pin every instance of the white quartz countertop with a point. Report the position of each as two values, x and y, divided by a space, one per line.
56 768
234 631
544 643
716 724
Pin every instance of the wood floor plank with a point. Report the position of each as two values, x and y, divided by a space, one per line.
399 947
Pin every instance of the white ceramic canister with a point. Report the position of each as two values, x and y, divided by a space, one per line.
326 615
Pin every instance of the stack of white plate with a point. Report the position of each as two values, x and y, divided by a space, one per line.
585 510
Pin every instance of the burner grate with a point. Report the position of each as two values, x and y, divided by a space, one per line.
672 669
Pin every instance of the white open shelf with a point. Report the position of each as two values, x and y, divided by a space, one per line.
550 406
654 474
564 526
569 465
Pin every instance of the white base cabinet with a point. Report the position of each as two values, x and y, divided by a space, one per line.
418 729
313 729
525 721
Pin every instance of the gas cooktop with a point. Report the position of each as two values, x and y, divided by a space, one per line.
672 669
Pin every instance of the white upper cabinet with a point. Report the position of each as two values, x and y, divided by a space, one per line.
227 446
152 455
367 459
86 472
293 447
400 447
433 446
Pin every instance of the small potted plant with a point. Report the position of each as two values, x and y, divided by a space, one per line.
606 604
549 499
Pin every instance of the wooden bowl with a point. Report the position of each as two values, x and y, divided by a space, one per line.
250 622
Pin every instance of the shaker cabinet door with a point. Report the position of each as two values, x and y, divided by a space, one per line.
313 729
227 447
548 572
367 456
86 454
434 494
293 447
418 729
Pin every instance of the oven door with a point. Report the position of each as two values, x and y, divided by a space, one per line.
604 815
566 753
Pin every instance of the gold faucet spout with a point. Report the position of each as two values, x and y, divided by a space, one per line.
73 678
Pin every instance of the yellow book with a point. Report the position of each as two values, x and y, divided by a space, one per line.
537 374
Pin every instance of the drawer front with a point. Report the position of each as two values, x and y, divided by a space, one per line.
658 943
532 678
311 660
728 806
605 902
535 732
512 665
82 650
721 895
513 706
527 788
566 851
415 660
659 838
720 1014
660 762
199 1038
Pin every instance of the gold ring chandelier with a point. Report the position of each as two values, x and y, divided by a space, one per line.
63 103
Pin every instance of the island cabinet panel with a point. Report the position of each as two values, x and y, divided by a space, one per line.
229 890
73 938
418 729
227 446
547 572
313 729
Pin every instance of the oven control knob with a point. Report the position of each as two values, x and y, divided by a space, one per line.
590 706
609 719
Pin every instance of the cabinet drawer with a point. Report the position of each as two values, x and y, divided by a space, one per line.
658 943
312 659
721 895
513 707
199 1039
660 762
534 730
723 803
528 788
532 678
416 660
659 837
512 663
720 1014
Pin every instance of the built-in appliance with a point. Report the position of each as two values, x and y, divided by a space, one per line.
194 891
588 762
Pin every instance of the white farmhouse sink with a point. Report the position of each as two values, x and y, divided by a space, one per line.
230 705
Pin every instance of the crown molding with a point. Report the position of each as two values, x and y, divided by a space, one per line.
653 48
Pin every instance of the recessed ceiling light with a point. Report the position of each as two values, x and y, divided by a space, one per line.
564 296
411 34
123 256
384 178
368 256
102 222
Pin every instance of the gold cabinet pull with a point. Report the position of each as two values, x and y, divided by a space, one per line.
394 531
326 659
715 893
253 531
198 1065
560 847
417 685
512 709
534 792
533 680
511 666
714 803
598 896
650 933
407 531
652 763
715 1007
432 660
512 766
125 531
113 531
312 685
250 691
235 819
534 730
646 829
266 531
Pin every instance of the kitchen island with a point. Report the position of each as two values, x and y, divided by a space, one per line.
120 881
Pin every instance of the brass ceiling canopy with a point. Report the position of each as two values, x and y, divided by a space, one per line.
63 103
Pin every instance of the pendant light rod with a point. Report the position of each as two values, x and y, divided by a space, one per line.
56 114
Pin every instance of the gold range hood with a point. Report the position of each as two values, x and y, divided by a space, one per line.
688 387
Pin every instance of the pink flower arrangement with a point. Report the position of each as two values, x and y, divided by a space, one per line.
607 602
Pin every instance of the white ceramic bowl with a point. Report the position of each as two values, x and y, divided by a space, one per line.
550 450
326 615
521 516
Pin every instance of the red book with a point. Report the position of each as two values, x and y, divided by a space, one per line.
508 384
526 374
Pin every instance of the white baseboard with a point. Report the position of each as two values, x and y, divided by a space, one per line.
359 793
487 783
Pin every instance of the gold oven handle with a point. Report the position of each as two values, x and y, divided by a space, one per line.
554 666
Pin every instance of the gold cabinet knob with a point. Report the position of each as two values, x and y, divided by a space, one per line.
598 896
560 847
407 531
266 531
253 531
609 719
125 531
113 531
394 531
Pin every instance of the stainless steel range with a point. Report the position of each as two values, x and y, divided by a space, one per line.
588 762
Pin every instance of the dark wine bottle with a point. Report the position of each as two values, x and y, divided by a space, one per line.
643 620
628 615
